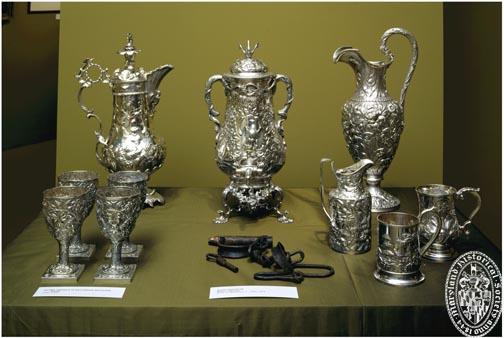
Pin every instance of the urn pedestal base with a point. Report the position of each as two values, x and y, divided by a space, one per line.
440 253
381 201
399 279
253 199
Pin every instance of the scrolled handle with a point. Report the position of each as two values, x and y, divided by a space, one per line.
282 113
212 113
436 233
86 81
322 190
460 195
414 56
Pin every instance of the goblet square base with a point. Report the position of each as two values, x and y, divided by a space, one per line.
103 277
128 255
49 276
85 255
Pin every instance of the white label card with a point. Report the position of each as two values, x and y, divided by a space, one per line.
248 291
79 291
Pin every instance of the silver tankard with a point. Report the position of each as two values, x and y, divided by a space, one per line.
250 145
349 208
399 251
443 198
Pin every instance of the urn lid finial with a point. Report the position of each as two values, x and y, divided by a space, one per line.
248 64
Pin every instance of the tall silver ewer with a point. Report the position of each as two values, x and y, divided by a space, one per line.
130 144
372 120
250 145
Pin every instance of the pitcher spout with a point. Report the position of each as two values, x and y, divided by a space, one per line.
154 78
352 176
349 55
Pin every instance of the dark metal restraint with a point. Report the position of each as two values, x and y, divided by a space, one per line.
260 250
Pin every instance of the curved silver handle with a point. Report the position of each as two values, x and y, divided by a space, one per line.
322 190
212 113
414 57
282 113
435 235
460 195
86 81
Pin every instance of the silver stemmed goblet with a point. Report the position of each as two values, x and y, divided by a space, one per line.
63 209
89 181
117 208
135 179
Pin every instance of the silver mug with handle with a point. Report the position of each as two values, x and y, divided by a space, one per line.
443 197
399 250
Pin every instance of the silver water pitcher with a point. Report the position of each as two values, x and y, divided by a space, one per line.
372 120
250 145
130 144
443 197
399 251
349 210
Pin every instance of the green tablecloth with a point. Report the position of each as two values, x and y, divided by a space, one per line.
169 293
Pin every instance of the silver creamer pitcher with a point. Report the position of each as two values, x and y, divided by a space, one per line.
250 144
349 208
372 120
130 144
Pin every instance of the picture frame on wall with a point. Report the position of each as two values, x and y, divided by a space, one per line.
43 7
7 9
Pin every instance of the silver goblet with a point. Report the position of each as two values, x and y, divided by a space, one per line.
89 181
63 208
135 179
117 208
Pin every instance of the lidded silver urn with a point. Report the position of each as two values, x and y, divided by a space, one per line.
250 145
372 120
130 144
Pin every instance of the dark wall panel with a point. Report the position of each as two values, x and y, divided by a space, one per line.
473 108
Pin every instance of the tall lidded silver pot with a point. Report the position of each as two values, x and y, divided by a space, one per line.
130 144
349 210
250 145
372 120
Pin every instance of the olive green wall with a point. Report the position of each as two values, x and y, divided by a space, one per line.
29 97
29 77
297 39
473 108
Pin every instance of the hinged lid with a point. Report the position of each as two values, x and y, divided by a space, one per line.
249 66
129 73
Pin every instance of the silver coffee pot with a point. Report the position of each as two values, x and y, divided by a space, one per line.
349 210
130 144
250 145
